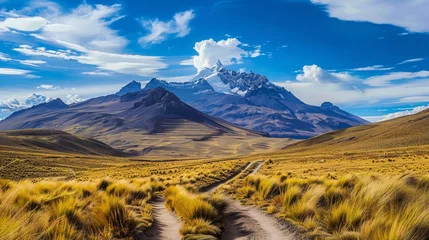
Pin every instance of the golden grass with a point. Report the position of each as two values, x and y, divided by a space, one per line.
74 210
352 207
199 213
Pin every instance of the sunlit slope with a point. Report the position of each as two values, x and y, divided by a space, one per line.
40 140
401 132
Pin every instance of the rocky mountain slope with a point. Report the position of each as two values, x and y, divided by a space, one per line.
146 122
250 100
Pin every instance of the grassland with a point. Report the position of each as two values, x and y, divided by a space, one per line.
343 185
335 186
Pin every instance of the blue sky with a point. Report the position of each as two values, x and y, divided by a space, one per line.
367 56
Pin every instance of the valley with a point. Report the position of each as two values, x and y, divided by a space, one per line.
288 187
238 158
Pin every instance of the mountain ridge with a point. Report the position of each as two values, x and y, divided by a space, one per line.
148 122
250 100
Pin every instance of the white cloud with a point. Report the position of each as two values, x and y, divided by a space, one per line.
33 63
257 52
229 51
410 14
96 73
316 85
13 71
411 60
4 57
86 34
404 113
73 98
373 68
123 63
187 62
185 78
414 99
26 24
159 31
87 25
48 87
43 52
13 104
315 74
384 80
35 99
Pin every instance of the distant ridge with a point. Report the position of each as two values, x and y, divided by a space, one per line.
129 88
400 132
42 140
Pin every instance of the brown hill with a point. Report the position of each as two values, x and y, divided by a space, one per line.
401 132
38 140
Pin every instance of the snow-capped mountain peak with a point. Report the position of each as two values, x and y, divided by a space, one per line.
218 66
229 81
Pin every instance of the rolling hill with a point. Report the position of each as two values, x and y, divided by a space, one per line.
147 122
401 132
39 140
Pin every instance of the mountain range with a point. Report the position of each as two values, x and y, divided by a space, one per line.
145 122
219 112
251 101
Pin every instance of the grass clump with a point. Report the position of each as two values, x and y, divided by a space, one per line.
199 213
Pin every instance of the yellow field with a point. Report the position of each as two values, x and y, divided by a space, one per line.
325 187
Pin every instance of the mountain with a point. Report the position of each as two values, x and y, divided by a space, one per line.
189 91
129 88
147 122
36 140
397 133
250 100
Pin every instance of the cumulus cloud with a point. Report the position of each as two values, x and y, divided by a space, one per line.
404 113
229 51
316 85
381 12
73 98
383 80
315 74
159 31
13 104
